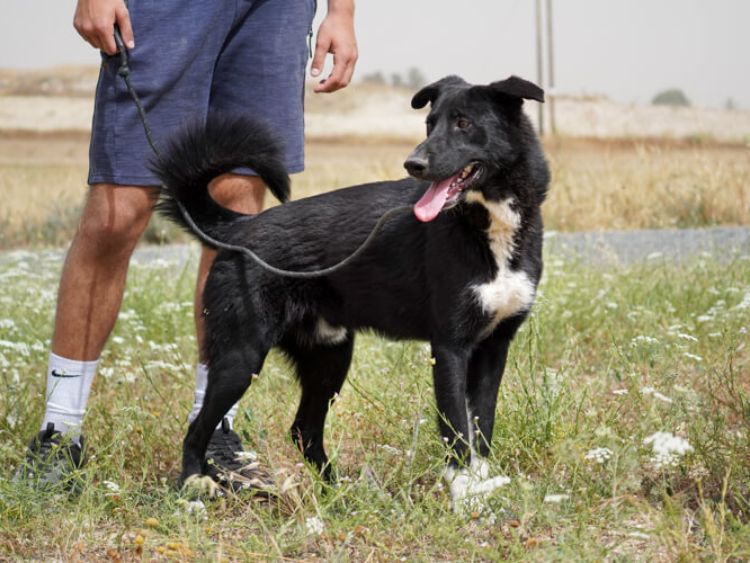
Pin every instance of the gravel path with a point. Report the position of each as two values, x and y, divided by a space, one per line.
672 245
605 248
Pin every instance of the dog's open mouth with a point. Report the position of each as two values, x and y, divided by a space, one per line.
444 193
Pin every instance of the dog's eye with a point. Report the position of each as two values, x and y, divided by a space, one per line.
463 123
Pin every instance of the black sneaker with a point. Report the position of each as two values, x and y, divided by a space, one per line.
51 459
231 466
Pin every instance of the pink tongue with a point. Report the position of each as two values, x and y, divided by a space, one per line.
433 200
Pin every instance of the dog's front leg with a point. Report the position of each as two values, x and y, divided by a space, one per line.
449 379
466 399
485 373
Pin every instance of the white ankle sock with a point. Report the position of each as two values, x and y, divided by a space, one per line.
201 380
68 387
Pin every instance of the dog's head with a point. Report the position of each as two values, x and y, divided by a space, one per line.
473 133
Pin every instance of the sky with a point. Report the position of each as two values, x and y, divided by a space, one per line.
628 50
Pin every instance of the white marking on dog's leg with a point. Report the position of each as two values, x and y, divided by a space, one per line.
327 334
470 487
470 426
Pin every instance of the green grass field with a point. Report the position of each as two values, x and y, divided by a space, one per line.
609 358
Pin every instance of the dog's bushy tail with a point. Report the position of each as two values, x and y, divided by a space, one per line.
203 151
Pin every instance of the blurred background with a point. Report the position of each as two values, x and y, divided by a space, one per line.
647 123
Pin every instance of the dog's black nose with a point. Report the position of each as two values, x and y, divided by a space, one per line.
415 166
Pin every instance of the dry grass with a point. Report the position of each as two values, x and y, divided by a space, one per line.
605 185
597 184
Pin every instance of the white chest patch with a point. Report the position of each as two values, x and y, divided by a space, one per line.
510 292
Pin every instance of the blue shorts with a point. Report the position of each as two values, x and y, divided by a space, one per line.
235 56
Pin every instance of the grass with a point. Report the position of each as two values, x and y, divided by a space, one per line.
597 184
608 358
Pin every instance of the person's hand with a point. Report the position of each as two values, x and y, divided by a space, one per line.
95 21
335 36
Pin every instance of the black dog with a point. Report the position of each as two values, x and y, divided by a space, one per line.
460 272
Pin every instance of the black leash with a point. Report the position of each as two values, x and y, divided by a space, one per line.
124 72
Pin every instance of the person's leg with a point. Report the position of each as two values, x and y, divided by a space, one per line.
89 297
177 45
93 277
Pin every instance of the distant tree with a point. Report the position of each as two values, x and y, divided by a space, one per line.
374 78
672 97
396 80
730 105
415 79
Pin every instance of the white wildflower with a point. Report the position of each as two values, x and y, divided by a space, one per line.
745 303
693 356
620 392
654 256
643 339
667 449
553 381
390 449
118 340
648 390
556 498
599 455
127 314
112 486
195 508
21 347
689 337
7 324
314 526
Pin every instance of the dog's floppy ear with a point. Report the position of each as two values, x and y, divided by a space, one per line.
519 88
431 92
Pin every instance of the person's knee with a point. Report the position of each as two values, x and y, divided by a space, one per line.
115 217
244 194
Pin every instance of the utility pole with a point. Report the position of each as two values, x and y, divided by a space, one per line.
551 70
539 61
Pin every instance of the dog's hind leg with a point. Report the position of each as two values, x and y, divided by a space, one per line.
228 379
321 370
236 344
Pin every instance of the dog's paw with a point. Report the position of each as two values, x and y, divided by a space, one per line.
202 486
470 487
